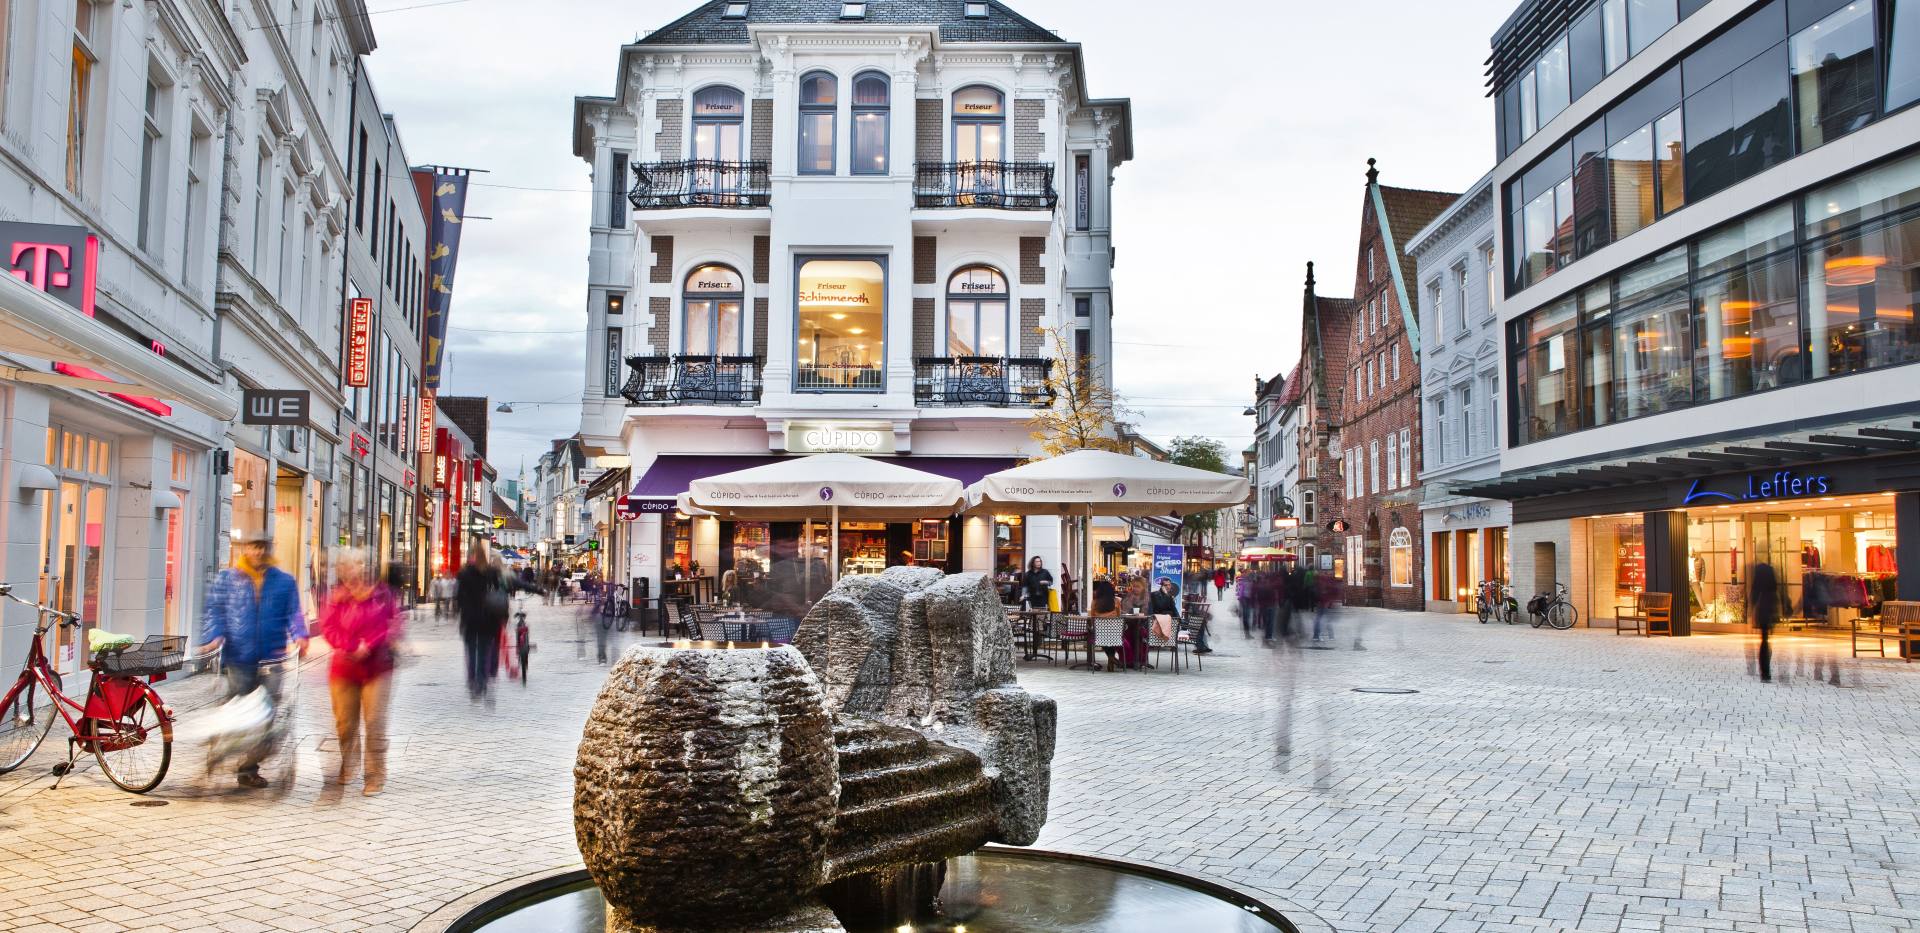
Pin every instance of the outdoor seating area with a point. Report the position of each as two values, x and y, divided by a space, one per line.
690 621
1102 643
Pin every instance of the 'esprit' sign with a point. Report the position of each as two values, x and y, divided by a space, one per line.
359 342
275 407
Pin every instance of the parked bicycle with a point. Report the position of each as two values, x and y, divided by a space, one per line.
1494 600
1555 610
118 721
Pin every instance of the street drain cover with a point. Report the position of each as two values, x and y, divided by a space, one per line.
1392 690
1492 662
148 803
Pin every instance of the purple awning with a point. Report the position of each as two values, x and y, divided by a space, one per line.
671 474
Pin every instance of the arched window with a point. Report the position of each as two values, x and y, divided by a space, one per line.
871 98
979 125
718 113
711 316
819 94
977 313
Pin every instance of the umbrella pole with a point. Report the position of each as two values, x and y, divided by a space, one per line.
833 570
806 559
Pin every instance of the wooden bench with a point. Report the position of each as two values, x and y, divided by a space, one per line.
1899 622
1652 614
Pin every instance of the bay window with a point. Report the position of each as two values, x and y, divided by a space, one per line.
840 332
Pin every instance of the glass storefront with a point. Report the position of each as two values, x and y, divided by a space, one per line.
251 491
840 331
1617 552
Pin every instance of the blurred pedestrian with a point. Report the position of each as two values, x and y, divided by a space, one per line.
253 612
483 602
523 642
362 622
1763 607
1245 601
1219 583
1036 584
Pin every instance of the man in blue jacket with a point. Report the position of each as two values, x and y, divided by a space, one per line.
253 612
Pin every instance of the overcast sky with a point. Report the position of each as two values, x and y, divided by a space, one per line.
1252 126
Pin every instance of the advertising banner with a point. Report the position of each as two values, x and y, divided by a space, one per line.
446 210
426 420
1169 563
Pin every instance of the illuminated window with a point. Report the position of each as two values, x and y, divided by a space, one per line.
840 331
872 97
711 314
819 93
1400 557
977 313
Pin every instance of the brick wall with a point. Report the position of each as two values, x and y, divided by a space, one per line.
662 325
926 260
1031 311
760 328
667 140
1529 573
1027 141
1031 249
762 259
923 328
760 147
662 249
929 130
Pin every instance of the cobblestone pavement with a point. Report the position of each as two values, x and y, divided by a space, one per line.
1538 780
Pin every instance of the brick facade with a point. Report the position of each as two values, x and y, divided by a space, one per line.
1028 143
661 327
762 259
662 249
666 142
760 328
926 260
1379 424
929 129
1032 310
1031 271
760 141
923 326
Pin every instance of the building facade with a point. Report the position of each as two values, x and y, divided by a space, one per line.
386 430
1326 346
1466 536
867 228
1380 417
1709 243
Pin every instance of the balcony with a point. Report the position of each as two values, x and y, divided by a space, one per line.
659 381
1012 186
700 183
981 382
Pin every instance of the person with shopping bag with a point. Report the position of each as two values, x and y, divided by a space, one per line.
362 621
1037 584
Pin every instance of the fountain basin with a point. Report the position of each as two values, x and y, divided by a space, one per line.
994 890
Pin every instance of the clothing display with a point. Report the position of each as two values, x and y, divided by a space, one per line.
1809 557
1865 592
1880 559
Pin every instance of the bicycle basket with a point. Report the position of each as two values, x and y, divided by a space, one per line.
157 655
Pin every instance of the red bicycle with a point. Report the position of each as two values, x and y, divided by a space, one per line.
120 717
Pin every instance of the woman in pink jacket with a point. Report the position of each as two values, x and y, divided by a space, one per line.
362 623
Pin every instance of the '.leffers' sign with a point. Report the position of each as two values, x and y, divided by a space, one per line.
831 438
1760 487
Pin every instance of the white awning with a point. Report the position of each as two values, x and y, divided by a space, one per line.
33 323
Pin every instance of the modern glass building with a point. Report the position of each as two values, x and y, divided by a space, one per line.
1710 238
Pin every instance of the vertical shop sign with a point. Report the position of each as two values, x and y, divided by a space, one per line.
1082 193
359 342
613 362
426 420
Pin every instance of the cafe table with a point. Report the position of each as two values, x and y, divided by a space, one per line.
1135 625
1034 621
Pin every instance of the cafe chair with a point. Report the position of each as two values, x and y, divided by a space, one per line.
1169 645
1109 632
1071 635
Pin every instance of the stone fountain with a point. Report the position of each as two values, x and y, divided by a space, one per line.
784 789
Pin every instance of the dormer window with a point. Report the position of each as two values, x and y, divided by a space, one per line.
853 11
976 11
735 11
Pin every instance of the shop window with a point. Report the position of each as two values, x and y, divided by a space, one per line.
1650 337
977 313
872 98
1009 544
841 327
1863 291
1552 390
1596 355
819 94
711 322
1400 557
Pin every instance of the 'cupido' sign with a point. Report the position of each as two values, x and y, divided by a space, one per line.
839 438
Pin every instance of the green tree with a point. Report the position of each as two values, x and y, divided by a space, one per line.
1201 453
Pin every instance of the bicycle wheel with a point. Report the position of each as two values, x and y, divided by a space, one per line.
125 746
1484 611
1511 612
26 725
1562 615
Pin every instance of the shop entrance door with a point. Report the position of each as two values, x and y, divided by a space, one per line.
76 542
1773 539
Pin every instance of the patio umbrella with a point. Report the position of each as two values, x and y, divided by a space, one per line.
833 485
1086 483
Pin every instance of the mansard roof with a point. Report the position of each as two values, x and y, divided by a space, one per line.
708 24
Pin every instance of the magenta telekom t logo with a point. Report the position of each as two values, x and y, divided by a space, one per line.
40 271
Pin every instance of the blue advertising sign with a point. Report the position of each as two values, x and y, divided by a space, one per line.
1169 563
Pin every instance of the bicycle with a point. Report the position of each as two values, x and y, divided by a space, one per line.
119 716
1556 610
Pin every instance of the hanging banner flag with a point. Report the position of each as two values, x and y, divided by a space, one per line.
446 211
359 342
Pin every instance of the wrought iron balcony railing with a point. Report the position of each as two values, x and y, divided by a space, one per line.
981 382
1014 186
693 380
700 183
843 376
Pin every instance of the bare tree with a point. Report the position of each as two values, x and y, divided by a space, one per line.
1082 415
